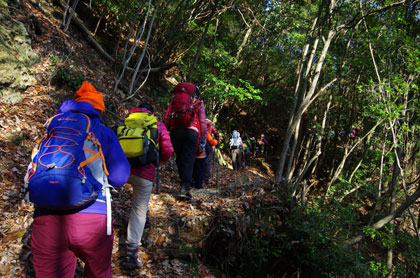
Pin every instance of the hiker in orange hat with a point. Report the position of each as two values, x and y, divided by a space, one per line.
84 231
89 94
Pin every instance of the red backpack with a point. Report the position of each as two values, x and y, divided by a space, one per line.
182 110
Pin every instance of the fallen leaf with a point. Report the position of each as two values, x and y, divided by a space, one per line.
171 230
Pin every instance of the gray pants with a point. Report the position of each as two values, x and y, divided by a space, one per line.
236 159
209 161
142 189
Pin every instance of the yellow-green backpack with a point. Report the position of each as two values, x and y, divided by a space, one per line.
138 138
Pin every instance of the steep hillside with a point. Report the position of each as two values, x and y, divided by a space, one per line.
58 63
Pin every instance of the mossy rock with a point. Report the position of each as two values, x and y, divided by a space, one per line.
16 58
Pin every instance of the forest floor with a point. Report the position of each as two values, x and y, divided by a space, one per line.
177 227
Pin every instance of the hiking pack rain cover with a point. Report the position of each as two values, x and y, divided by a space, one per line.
68 167
182 110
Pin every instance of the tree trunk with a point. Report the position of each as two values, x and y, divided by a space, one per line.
138 35
244 42
300 73
133 78
200 45
97 26
89 37
346 155
299 109
72 11
392 206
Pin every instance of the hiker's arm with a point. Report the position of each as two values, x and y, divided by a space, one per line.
165 145
202 119
216 133
115 159
210 140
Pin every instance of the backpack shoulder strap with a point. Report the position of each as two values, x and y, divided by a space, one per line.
169 110
91 136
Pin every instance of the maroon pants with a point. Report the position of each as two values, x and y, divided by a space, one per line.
58 240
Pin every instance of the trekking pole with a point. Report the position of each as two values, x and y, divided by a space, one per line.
217 156
157 172
213 159
157 179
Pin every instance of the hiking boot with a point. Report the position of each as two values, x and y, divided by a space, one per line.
185 194
132 259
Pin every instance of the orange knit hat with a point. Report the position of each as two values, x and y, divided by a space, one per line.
89 94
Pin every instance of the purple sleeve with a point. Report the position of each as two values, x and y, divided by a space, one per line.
202 119
115 159
216 133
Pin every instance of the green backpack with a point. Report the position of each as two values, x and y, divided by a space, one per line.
138 138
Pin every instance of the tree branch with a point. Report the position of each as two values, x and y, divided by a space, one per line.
356 19
379 224
90 38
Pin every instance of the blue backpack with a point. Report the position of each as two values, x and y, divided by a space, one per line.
235 137
68 167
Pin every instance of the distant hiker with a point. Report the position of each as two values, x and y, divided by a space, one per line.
186 121
143 172
209 151
236 147
354 132
246 154
254 147
262 143
200 161
68 182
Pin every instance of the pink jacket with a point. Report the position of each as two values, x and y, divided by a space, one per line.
201 122
148 171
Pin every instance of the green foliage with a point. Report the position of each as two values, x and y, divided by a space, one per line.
164 100
262 243
318 234
120 11
16 139
219 85
54 60
377 270
408 247
221 90
70 77
64 74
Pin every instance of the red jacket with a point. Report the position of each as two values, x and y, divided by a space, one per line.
148 171
199 123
